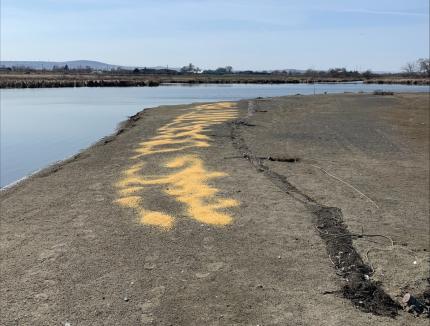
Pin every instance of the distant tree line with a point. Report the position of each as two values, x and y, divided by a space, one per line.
151 71
190 69
418 67
54 68
219 71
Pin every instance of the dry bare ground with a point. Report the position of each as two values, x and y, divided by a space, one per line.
285 211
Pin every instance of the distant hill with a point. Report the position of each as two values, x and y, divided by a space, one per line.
75 64
50 64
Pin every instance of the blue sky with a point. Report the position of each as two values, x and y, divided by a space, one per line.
246 34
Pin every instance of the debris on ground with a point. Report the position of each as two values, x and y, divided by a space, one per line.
416 305
381 92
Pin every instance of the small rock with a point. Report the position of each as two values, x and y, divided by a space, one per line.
412 304
126 299
96 186
41 296
147 319
149 266
213 267
99 198
202 275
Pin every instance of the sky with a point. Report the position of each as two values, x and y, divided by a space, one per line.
246 34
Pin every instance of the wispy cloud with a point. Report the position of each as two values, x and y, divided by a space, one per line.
243 33
384 13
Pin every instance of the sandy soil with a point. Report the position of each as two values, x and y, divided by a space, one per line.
216 215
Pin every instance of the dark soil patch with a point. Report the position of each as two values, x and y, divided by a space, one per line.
244 123
284 159
381 92
366 294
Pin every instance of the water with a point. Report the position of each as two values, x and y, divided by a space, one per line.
41 126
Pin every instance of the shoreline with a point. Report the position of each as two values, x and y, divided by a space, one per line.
112 230
119 129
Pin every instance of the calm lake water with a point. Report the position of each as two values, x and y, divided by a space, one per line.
41 126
